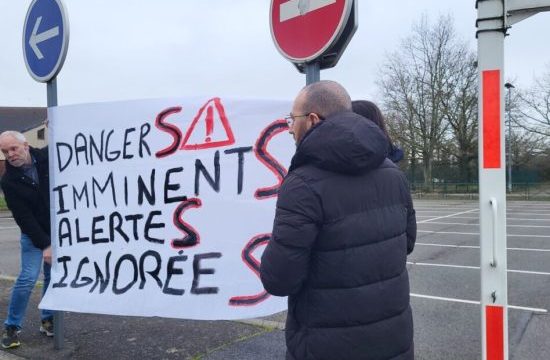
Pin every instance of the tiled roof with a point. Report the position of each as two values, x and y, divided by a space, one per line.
21 118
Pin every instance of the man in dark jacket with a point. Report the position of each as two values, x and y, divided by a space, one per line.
26 189
343 228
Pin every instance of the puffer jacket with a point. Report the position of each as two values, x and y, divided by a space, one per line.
28 201
344 225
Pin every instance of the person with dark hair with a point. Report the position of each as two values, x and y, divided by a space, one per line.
369 110
343 227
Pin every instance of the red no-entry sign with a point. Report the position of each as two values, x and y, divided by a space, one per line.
305 30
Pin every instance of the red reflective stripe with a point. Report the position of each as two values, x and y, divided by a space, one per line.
494 320
491 119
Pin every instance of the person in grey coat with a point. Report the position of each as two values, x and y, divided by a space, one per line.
343 228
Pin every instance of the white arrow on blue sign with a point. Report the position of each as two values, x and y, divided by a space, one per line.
45 39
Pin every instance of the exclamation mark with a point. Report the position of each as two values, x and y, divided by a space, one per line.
209 123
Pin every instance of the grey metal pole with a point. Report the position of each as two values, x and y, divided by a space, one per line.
58 324
509 150
52 92
313 72
508 113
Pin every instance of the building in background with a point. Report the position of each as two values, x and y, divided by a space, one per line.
31 121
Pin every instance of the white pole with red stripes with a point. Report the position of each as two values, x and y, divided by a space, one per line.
493 22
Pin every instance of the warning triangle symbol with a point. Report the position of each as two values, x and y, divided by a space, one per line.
209 129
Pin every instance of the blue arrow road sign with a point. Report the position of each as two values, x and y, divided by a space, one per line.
45 39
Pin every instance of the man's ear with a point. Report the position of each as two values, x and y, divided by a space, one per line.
315 119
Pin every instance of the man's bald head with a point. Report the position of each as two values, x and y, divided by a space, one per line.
15 148
325 98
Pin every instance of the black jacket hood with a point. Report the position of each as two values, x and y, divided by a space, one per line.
344 143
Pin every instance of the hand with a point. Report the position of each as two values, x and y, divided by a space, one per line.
47 255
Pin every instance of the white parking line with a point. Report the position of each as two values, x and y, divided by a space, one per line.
473 302
477 247
475 268
443 265
446 223
443 207
8 227
529 272
509 213
446 216
477 218
532 214
533 206
468 233
439 211
450 245
522 219
476 224
528 249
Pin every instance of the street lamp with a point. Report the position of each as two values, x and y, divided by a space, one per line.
509 87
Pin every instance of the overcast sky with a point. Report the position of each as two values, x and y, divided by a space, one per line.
131 49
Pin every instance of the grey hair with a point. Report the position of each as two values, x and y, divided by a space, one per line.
15 134
325 98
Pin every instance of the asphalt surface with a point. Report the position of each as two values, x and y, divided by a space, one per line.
444 265
445 286
92 336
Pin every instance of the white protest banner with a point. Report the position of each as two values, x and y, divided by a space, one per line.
164 207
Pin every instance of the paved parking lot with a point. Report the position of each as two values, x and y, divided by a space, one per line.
445 284
445 280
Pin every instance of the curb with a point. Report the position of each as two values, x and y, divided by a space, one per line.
39 283
3 354
8 356
263 323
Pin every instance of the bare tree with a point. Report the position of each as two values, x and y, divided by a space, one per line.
416 82
534 106
526 146
461 109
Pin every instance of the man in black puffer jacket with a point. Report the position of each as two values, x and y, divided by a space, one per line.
26 189
343 228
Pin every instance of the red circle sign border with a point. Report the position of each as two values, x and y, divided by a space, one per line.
335 36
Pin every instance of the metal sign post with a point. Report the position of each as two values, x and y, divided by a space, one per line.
45 45
313 72
312 34
494 20
58 323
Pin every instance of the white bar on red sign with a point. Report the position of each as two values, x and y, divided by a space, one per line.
294 8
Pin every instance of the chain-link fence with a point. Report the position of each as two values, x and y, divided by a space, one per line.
520 190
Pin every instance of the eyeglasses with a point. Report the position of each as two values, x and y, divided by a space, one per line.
290 118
